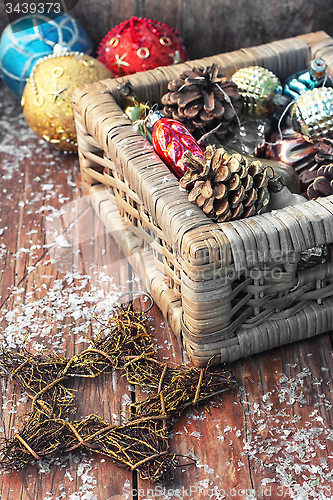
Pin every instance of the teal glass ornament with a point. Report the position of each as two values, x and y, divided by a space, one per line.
313 77
31 37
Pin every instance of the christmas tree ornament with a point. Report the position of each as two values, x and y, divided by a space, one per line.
47 95
289 175
170 139
312 113
292 149
201 97
31 37
322 185
260 89
136 110
140 44
249 137
225 187
314 256
313 77
281 196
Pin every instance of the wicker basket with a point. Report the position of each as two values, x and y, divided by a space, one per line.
227 290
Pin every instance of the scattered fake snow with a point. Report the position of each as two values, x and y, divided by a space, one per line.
83 475
286 442
286 446
56 313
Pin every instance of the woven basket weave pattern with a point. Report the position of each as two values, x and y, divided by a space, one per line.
227 290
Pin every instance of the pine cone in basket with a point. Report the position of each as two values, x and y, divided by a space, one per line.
225 188
200 97
323 183
324 148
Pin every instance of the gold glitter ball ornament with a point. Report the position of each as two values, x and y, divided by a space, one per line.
260 89
312 113
47 95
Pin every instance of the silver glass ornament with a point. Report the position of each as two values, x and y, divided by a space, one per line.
312 113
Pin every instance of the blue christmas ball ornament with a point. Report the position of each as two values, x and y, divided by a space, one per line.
33 36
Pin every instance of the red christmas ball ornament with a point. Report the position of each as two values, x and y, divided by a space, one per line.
170 140
140 44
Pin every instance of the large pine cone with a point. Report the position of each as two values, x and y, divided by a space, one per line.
313 180
202 98
225 189
324 148
322 185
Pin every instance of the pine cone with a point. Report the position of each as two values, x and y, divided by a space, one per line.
323 183
202 98
225 189
324 148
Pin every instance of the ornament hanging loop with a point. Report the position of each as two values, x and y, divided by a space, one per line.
269 168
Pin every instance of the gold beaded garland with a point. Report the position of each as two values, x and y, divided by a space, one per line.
47 95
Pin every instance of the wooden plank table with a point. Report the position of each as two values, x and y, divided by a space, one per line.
270 438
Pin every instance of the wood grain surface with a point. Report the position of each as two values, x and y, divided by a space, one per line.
270 438
209 27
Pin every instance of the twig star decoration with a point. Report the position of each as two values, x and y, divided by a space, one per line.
142 443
